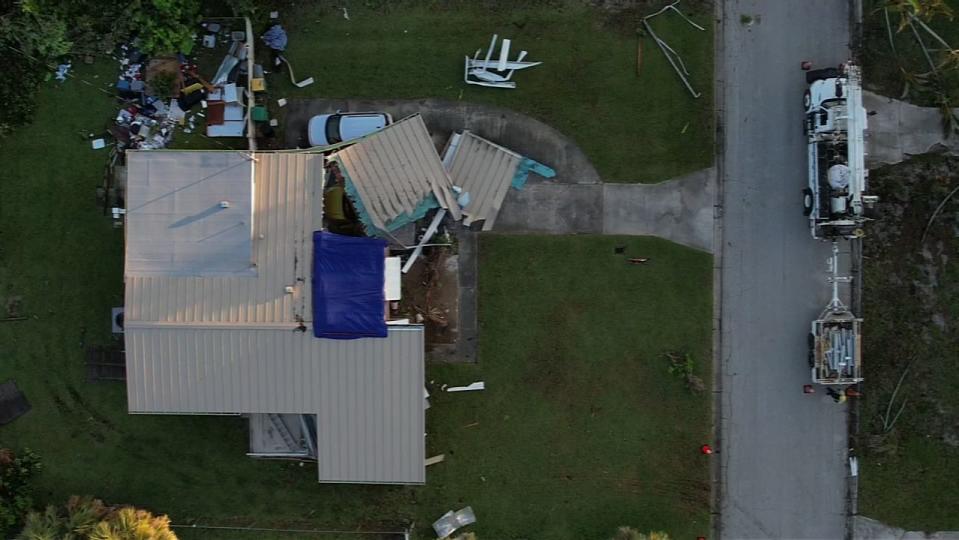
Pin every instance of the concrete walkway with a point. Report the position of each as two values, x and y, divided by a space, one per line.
899 130
869 529
575 201
680 210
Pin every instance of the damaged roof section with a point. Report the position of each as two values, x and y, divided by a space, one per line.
485 171
394 176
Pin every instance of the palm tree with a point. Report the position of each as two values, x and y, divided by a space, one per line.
87 518
128 523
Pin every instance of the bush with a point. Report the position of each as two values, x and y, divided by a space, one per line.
15 498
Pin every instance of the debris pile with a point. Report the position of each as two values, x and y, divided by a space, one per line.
494 73
162 93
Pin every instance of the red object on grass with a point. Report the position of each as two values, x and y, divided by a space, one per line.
706 449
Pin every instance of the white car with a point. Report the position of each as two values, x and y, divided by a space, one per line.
327 129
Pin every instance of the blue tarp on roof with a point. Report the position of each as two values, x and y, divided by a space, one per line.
348 297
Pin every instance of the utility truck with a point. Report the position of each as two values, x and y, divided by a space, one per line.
835 340
835 199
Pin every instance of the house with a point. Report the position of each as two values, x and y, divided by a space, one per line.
220 300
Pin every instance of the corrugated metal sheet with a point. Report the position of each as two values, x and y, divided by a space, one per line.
175 224
287 207
367 394
396 168
485 170
225 344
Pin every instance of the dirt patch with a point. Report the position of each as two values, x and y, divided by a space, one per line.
911 305
431 296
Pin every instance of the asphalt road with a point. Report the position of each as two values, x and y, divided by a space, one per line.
783 453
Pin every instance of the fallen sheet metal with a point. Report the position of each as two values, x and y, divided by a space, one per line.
450 521
478 385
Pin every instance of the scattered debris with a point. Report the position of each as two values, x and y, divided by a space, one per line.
435 459
98 144
494 73
275 38
430 231
637 260
281 102
62 71
671 55
305 82
451 521
479 385
346 14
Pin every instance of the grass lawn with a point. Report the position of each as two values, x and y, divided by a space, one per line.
884 69
910 473
582 428
633 128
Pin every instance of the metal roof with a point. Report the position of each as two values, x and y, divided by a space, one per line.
287 208
483 169
395 169
367 394
227 344
189 213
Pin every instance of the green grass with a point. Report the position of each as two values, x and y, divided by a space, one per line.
582 428
631 127
910 475
884 69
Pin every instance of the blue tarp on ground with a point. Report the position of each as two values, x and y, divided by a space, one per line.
348 297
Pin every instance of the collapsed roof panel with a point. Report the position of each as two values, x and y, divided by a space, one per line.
395 176
485 171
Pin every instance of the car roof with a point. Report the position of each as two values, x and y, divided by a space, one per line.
353 126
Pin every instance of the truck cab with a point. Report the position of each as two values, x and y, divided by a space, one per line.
835 122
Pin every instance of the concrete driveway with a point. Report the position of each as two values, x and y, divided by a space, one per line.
783 453
576 201
511 129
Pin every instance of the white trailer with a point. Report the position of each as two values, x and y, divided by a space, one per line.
835 339
835 123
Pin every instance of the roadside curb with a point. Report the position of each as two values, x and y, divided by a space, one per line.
719 90
852 412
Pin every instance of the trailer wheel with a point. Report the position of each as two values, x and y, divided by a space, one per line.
807 202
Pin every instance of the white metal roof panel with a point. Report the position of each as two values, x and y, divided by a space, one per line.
189 213
367 394
287 207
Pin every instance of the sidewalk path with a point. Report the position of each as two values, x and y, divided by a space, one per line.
899 130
